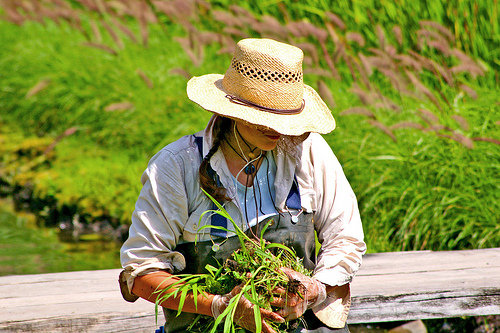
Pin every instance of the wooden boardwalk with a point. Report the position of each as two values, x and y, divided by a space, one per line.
389 286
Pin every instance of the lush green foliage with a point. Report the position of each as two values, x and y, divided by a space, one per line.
254 268
417 142
475 24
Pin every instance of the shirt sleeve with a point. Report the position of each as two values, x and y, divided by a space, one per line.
337 220
160 214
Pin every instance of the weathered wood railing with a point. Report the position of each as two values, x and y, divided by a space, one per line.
389 287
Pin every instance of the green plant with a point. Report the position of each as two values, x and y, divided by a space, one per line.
254 267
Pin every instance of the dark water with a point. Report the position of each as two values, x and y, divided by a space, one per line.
26 248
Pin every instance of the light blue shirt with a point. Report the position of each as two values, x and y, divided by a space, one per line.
257 201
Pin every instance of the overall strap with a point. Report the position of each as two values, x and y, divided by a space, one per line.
216 219
293 198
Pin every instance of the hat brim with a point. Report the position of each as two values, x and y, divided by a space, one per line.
207 91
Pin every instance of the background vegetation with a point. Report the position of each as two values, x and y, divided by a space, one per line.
90 90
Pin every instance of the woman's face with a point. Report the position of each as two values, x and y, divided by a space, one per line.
258 136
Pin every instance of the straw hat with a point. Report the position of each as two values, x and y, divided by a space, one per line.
264 86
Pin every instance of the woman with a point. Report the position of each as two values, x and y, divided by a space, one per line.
262 156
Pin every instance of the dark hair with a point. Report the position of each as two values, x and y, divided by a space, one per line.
221 128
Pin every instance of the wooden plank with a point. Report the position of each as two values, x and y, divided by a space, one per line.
389 286
424 285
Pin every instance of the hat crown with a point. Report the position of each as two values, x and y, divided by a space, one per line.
267 73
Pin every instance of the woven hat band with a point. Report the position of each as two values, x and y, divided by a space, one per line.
240 101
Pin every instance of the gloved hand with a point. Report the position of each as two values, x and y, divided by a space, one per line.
310 293
244 315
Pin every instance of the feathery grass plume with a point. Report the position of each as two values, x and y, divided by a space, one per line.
208 37
39 86
226 18
423 61
467 64
461 121
143 17
89 4
181 9
420 87
270 25
326 94
468 67
308 61
349 63
442 30
167 8
440 46
335 20
355 37
407 61
468 90
244 16
120 8
429 117
296 29
495 141
339 52
228 45
12 15
101 47
310 50
145 78
150 15
396 30
30 10
123 28
240 11
120 106
367 98
329 60
366 63
436 128
381 36
180 71
387 103
383 128
118 41
379 62
320 34
358 110
397 80
100 6
66 133
187 47
318 71
425 36
362 72
95 31
445 73
462 139
235 32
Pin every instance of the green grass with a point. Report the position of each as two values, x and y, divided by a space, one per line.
420 192
474 24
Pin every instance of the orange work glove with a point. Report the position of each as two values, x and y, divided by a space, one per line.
310 293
